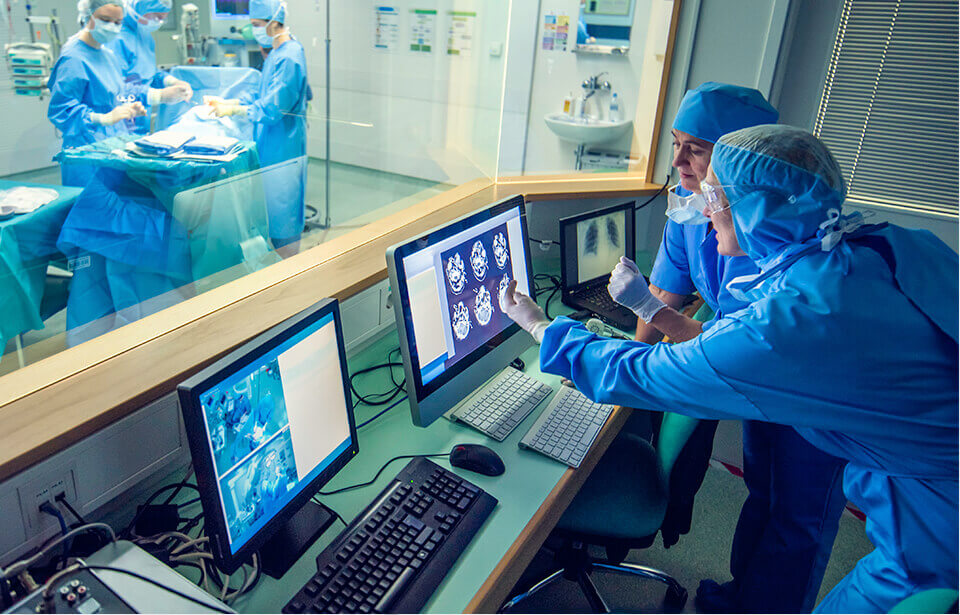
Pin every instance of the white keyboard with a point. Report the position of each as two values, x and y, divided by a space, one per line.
503 403
567 427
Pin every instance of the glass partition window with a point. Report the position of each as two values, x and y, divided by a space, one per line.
157 149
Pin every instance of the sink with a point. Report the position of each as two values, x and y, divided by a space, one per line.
586 131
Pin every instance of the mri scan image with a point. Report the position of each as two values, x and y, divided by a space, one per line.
478 260
483 306
500 251
460 321
456 273
504 281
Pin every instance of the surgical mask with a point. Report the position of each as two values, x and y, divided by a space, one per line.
104 31
685 209
152 25
265 40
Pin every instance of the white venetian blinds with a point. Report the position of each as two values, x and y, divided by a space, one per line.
889 105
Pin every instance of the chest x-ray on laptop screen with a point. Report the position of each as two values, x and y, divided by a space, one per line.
447 284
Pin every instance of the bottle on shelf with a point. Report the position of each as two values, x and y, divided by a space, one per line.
614 114
568 104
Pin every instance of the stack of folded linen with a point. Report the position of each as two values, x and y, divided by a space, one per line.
211 146
163 143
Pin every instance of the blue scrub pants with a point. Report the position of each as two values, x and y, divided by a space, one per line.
788 522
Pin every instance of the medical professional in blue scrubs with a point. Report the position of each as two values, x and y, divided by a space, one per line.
280 114
791 515
850 336
137 52
89 99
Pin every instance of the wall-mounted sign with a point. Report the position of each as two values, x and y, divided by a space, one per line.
556 30
386 28
460 34
423 29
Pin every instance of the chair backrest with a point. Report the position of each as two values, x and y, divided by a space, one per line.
675 430
929 601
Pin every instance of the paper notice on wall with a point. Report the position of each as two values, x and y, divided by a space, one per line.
423 28
460 34
556 28
608 7
386 28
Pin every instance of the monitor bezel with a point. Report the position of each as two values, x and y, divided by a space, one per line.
395 256
189 393
569 285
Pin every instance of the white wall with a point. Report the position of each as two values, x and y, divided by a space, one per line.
433 116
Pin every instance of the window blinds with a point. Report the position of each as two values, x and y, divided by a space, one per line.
889 106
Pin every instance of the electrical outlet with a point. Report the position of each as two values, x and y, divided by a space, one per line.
46 489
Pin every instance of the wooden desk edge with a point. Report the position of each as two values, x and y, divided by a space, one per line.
495 590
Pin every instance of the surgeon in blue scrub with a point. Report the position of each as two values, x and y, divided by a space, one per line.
280 114
136 50
791 515
850 336
89 99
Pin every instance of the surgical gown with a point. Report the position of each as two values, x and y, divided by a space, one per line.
84 81
136 50
855 346
280 114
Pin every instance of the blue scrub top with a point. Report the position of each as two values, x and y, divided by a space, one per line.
84 81
687 260
137 52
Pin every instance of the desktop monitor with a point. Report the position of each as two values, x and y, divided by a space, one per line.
268 426
446 287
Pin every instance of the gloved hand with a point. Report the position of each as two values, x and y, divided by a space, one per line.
629 288
524 311
227 108
126 111
178 92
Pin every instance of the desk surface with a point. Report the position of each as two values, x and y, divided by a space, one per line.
532 494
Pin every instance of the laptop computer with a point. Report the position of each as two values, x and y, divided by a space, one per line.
591 244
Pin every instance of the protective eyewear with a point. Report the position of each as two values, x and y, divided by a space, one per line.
714 197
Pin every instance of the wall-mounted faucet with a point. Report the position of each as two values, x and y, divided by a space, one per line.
592 84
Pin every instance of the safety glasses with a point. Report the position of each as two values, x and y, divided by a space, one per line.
714 197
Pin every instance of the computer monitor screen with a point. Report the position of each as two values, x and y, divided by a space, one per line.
230 9
268 425
448 284
592 243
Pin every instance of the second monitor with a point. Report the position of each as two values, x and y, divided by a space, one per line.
447 283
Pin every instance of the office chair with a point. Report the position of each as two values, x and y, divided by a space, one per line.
929 601
620 515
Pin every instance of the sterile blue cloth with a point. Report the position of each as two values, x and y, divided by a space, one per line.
850 338
27 246
713 109
794 501
137 51
279 112
148 226
84 81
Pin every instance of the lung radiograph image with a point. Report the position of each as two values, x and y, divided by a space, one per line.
473 298
600 244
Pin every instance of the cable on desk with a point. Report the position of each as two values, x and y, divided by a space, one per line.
53 511
382 412
183 483
48 593
379 472
128 531
372 399
316 500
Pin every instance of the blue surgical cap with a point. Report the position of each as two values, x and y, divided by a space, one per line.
268 10
86 8
714 109
142 7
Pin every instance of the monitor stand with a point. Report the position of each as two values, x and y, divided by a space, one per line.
293 538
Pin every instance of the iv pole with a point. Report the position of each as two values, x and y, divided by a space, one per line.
326 165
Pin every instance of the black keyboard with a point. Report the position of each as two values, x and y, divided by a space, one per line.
600 297
396 552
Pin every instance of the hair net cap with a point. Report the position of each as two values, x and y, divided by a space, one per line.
268 10
714 109
142 7
86 8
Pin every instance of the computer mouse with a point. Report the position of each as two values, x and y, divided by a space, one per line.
476 458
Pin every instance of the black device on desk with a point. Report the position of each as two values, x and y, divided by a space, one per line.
268 426
591 245
453 335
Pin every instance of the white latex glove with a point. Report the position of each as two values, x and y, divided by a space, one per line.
524 311
178 92
629 288
126 111
227 108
